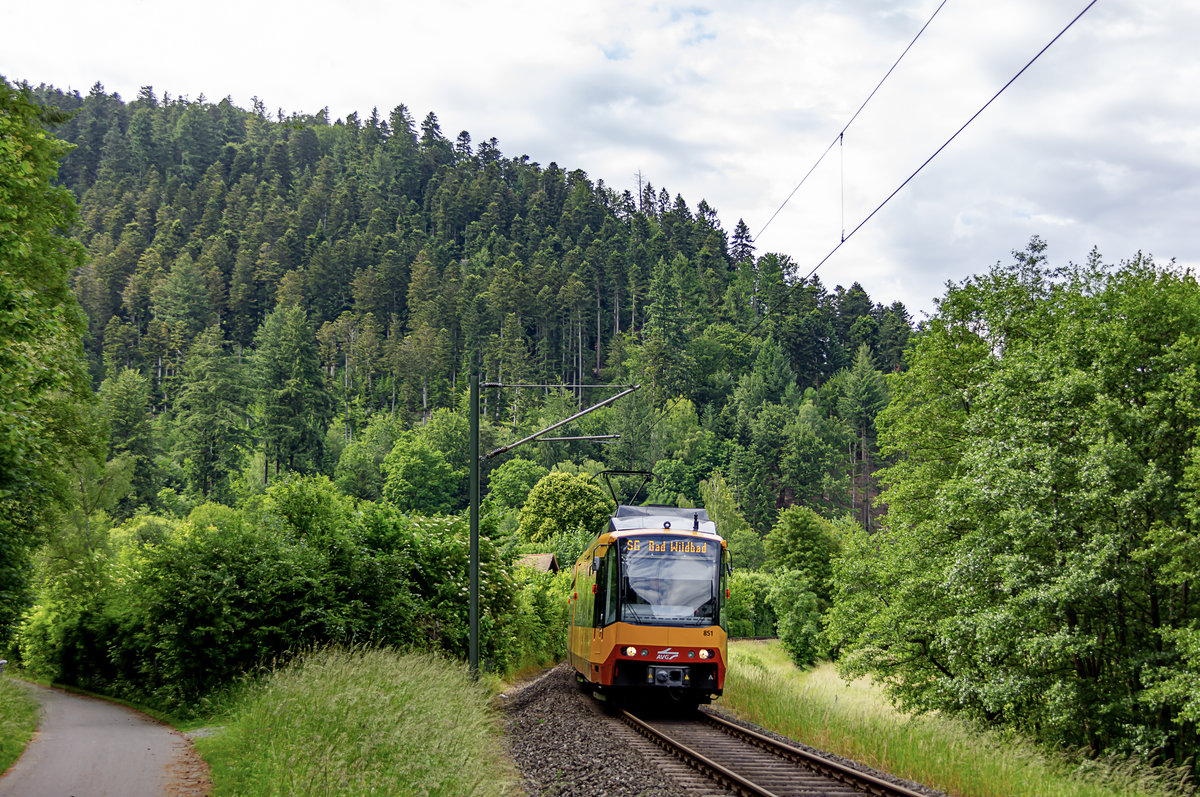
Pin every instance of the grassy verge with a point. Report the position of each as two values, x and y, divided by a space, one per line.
854 720
18 718
360 722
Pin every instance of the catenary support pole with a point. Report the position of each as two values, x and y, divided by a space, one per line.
473 617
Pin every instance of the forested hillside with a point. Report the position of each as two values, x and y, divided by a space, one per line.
260 289
278 316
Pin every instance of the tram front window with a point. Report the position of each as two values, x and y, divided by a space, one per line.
672 580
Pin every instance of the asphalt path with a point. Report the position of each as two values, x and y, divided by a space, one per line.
85 747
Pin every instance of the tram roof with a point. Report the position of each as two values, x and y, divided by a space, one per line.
645 518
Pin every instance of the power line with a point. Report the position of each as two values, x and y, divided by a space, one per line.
846 237
838 138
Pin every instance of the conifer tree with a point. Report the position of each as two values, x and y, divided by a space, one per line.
294 407
211 406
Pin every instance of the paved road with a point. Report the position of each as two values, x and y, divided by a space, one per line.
91 748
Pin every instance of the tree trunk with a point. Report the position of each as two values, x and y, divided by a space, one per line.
866 477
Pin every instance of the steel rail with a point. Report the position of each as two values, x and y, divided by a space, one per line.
811 762
691 757
837 771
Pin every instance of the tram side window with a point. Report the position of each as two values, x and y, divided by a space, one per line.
605 607
724 586
586 607
598 603
611 593
575 603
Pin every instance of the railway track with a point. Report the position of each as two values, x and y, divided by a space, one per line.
752 764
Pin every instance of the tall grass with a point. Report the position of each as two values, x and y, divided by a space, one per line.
18 718
855 720
361 722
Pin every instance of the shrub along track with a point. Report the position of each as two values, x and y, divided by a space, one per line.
751 763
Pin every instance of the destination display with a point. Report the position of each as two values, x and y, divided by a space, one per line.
666 545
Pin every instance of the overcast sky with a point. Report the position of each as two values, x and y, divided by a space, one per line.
1098 144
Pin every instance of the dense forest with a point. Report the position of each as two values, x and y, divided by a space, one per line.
235 358
277 319
269 287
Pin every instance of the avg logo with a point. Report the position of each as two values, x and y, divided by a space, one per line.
667 654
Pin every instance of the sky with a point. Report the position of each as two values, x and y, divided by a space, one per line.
1097 144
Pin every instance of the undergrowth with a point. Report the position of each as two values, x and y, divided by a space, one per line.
854 720
360 722
18 718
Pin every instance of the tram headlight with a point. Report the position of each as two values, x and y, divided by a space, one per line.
631 651
705 654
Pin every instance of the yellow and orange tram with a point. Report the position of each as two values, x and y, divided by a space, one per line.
647 606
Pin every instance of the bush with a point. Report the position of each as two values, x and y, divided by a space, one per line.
748 612
537 627
563 502
177 609
799 621
211 604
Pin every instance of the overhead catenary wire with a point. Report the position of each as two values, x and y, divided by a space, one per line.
838 138
847 236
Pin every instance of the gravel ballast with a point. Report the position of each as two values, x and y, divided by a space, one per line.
565 744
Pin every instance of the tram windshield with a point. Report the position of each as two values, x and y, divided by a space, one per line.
672 580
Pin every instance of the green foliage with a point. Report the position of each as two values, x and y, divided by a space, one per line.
1039 520
748 612
674 484
861 394
211 407
417 478
805 542
798 616
566 545
956 756
359 470
814 456
166 611
42 376
745 546
537 627
313 510
211 603
564 502
294 405
509 485
356 722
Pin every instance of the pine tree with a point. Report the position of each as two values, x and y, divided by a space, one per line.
864 394
294 407
211 406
